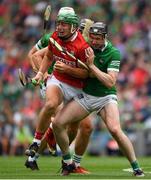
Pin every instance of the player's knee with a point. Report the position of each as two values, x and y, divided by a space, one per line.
115 131
57 124
86 129
50 107
72 131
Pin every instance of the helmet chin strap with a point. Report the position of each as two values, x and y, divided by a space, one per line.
72 29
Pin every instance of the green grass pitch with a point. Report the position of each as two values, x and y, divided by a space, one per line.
100 167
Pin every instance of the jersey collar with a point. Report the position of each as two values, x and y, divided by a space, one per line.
105 45
74 36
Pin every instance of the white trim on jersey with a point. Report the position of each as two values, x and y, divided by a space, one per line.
74 37
38 44
106 43
115 63
113 69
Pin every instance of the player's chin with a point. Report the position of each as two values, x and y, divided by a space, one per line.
61 34
95 47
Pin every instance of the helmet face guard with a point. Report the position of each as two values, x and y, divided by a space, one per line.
98 28
68 16
71 19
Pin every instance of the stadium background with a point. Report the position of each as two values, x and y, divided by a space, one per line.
21 25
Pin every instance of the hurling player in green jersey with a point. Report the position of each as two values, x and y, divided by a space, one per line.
36 55
99 95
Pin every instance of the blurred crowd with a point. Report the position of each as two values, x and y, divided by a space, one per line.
21 26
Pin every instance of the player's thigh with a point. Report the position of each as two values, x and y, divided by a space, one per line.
57 110
71 113
54 95
110 115
84 126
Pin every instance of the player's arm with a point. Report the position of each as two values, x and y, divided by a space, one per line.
44 65
76 72
30 57
108 79
39 54
32 51
36 54
37 57
72 71
46 61
79 72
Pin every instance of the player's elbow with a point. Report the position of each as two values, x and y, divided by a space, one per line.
30 56
110 84
31 52
30 59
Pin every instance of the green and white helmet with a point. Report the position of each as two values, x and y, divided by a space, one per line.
68 15
66 10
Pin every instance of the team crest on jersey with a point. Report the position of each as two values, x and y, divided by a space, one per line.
65 49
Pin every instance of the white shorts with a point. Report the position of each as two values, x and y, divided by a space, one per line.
94 103
69 92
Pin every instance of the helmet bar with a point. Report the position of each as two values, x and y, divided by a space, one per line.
98 28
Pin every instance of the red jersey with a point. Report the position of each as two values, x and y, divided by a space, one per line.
77 47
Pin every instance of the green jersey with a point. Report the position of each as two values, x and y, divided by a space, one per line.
42 43
106 60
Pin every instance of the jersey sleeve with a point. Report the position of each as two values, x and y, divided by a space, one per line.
43 42
38 45
114 64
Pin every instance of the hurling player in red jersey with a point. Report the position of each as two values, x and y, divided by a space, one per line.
67 79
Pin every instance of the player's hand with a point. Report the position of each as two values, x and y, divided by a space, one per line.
60 67
90 57
38 78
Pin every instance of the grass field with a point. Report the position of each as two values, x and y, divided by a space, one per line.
100 167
